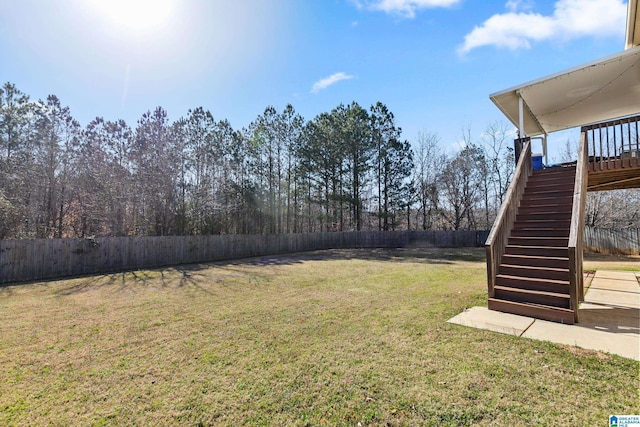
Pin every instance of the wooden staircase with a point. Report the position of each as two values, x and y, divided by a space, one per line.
533 278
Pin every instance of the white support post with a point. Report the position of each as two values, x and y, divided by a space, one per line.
520 115
544 148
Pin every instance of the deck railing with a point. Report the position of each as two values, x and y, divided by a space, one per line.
501 230
576 232
614 144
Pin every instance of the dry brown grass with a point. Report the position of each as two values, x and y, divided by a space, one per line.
323 338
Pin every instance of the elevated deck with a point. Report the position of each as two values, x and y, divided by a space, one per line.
613 174
614 154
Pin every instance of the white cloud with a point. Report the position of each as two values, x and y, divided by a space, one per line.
512 5
328 81
571 19
404 8
515 5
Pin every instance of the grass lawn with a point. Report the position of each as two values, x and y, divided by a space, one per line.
593 261
355 337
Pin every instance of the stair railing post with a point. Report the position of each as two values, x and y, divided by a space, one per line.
576 233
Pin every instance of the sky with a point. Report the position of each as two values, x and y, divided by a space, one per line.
434 63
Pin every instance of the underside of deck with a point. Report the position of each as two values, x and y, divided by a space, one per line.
614 174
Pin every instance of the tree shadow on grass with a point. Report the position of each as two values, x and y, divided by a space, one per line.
415 254
119 281
180 276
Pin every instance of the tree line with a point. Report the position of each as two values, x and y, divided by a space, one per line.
347 169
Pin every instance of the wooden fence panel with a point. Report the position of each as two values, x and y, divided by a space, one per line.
7 264
26 260
612 241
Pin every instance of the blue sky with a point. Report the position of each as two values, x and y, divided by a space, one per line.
432 62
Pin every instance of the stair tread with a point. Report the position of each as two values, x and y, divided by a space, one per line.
536 216
533 279
520 218
538 252
544 202
555 169
547 210
542 193
552 258
539 234
551 183
532 291
548 181
540 216
545 242
542 237
551 205
532 201
529 192
542 247
532 267
543 210
541 221
535 250
542 229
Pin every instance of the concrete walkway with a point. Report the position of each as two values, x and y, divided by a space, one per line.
609 318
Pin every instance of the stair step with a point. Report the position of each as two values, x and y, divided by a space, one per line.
557 178
536 251
544 194
533 283
548 187
551 206
536 261
537 272
561 203
534 208
553 194
542 223
540 232
552 179
554 171
554 314
529 296
550 183
539 241
549 174
542 216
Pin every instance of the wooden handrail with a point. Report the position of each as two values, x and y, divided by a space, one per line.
502 226
576 233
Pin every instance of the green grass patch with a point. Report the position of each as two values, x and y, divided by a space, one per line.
594 261
355 337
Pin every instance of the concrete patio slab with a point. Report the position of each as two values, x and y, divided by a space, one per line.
618 320
609 319
625 345
617 288
482 318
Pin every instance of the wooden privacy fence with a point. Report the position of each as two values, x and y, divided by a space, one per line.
612 241
25 260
